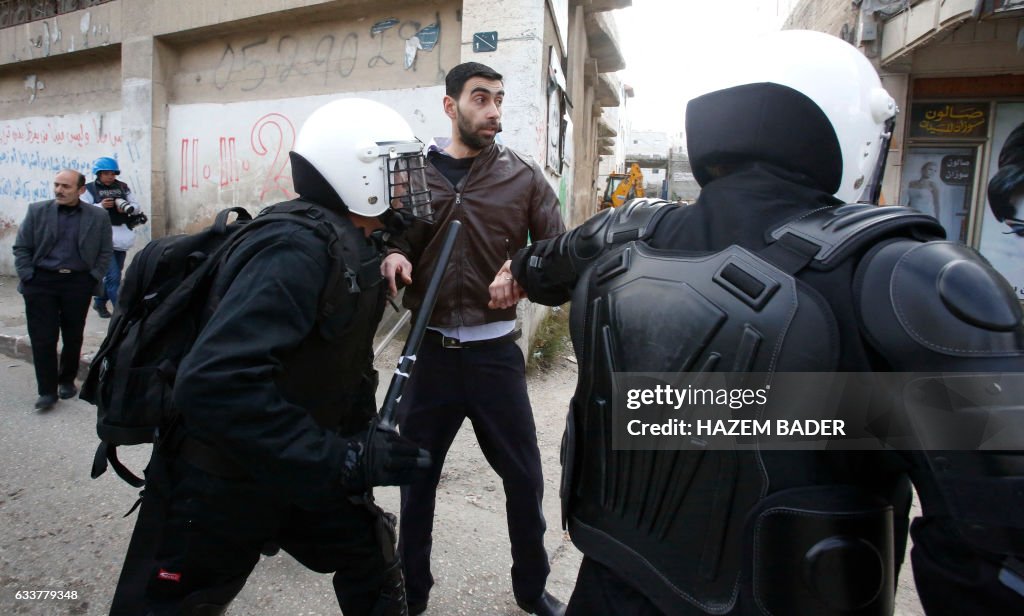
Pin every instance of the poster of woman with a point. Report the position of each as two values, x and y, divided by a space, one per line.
937 181
1002 226
923 193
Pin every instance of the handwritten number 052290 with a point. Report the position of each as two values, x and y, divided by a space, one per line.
250 72
222 77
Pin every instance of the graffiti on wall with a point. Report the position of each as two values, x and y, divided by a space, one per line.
221 155
271 137
34 149
46 37
328 55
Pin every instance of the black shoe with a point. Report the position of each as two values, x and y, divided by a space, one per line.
417 608
45 403
102 311
547 605
67 390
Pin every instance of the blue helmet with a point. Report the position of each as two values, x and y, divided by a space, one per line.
105 163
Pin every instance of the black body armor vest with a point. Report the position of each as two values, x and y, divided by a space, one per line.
638 309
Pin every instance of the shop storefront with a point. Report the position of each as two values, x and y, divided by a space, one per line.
957 132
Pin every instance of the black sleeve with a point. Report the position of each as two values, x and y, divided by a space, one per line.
413 241
226 387
546 275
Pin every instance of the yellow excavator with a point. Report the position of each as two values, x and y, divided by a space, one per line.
622 187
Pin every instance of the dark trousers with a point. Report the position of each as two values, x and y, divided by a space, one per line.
487 384
198 537
112 280
56 305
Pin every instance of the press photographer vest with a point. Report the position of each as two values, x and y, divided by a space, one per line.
100 192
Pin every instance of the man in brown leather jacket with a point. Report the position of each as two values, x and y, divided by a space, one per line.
469 364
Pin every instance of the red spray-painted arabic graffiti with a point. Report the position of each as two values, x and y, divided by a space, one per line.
272 136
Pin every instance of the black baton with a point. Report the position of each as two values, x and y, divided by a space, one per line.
419 327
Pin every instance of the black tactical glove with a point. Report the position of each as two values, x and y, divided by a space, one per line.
378 456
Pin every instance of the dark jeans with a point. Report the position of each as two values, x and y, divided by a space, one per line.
56 305
488 385
112 280
198 537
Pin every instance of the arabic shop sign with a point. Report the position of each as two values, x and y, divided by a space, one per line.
957 169
949 120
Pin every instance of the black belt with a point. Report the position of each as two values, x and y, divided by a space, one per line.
62 270
454 343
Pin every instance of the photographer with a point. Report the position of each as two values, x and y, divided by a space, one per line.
125 214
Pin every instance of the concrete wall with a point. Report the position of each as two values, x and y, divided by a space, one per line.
823 16
78 32
987 47
233 112
581 77
647 143
227 154
201 101
32 151
682 186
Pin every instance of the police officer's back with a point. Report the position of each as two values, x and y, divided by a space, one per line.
770 273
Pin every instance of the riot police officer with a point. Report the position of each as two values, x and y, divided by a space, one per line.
770 273
276 396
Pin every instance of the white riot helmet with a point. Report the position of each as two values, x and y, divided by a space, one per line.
367 154
803 100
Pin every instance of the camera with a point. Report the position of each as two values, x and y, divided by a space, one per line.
134 220
124 207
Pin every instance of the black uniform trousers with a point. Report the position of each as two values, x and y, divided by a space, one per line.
487 384
199 536
56 304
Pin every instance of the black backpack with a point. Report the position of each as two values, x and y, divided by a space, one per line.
159 315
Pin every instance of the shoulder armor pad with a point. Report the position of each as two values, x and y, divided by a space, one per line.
834 233
633 220
942 296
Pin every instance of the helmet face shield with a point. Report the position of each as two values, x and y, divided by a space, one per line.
368 155
407 180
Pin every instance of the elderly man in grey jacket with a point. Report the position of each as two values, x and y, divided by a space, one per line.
61 254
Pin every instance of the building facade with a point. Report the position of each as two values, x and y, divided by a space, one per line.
201 102
956 70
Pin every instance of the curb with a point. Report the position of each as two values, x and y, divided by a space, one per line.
20 347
